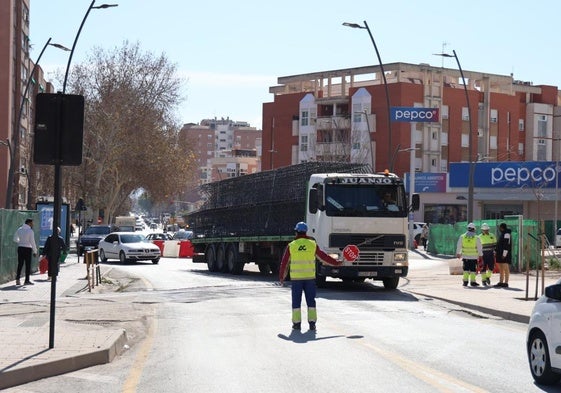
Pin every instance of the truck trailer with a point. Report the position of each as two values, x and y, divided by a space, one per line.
356 216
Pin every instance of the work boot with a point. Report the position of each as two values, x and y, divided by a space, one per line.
312 325
498 285
28 283
505 285
18 282
465 283
474 284
485 282
296 326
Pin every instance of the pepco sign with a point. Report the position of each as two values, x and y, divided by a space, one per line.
412 114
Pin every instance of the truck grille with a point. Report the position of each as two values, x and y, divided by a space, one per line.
369 258
367 241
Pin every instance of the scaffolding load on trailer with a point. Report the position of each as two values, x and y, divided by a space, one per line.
266 203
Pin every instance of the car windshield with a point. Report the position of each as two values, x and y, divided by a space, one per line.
132 239
97 231
183 235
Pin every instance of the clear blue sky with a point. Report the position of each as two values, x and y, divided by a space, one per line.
231 52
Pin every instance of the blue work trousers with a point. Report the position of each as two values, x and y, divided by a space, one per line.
309 288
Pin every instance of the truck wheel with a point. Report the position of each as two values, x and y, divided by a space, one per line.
264 268
235 266
221 258
391 283
210 255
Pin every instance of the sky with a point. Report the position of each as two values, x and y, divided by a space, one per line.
228 53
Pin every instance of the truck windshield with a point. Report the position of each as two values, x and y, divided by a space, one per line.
370 200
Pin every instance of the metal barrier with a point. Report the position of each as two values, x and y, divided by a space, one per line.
93 272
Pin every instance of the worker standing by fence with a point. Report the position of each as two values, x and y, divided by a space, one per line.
488 243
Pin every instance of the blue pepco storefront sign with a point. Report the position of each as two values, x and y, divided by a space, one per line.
507 174
413 114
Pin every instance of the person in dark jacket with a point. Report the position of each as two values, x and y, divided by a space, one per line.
58 250
504 255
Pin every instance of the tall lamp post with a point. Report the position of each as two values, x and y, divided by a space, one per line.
57 175
357 26
15 132
470 147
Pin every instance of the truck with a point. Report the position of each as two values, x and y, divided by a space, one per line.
251 219
125 223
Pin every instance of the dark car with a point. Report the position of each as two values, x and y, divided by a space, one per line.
90 239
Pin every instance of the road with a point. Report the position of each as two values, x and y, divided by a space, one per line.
222 333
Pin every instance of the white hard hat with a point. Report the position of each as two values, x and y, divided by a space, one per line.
471 225
484 227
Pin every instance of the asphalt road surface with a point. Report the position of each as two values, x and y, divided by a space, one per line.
209 332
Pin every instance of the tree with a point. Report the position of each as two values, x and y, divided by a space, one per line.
131 137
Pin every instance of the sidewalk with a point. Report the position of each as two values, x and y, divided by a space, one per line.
83 339
25 329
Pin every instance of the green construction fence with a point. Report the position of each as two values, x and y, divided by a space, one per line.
10 221
526 239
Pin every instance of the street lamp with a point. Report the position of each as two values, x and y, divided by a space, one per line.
57 179
15 133
470 147
357 26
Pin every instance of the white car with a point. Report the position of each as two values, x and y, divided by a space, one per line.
128 246
543 341
417 229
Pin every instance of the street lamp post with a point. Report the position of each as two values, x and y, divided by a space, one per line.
15 132
57 176
470 147
357 26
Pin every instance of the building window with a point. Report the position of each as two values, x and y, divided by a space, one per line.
304 143
494 116
521 125
465 140
465 114
444 111
542 126
304 118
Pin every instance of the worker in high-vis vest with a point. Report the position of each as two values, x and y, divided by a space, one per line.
300 259
470 250
489 243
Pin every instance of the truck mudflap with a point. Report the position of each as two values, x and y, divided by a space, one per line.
375 272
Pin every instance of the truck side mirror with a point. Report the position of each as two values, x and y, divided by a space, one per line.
313 201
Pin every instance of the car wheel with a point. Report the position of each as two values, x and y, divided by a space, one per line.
122 257
102 257
155 261
540 363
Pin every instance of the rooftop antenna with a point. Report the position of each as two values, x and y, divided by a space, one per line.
444 45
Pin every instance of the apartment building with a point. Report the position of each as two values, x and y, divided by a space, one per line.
17 111
342 115
224 148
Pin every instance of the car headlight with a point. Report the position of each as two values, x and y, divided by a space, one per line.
400 258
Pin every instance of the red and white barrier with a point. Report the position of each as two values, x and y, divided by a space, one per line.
175 248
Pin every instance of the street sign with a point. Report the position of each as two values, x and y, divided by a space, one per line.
350 253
